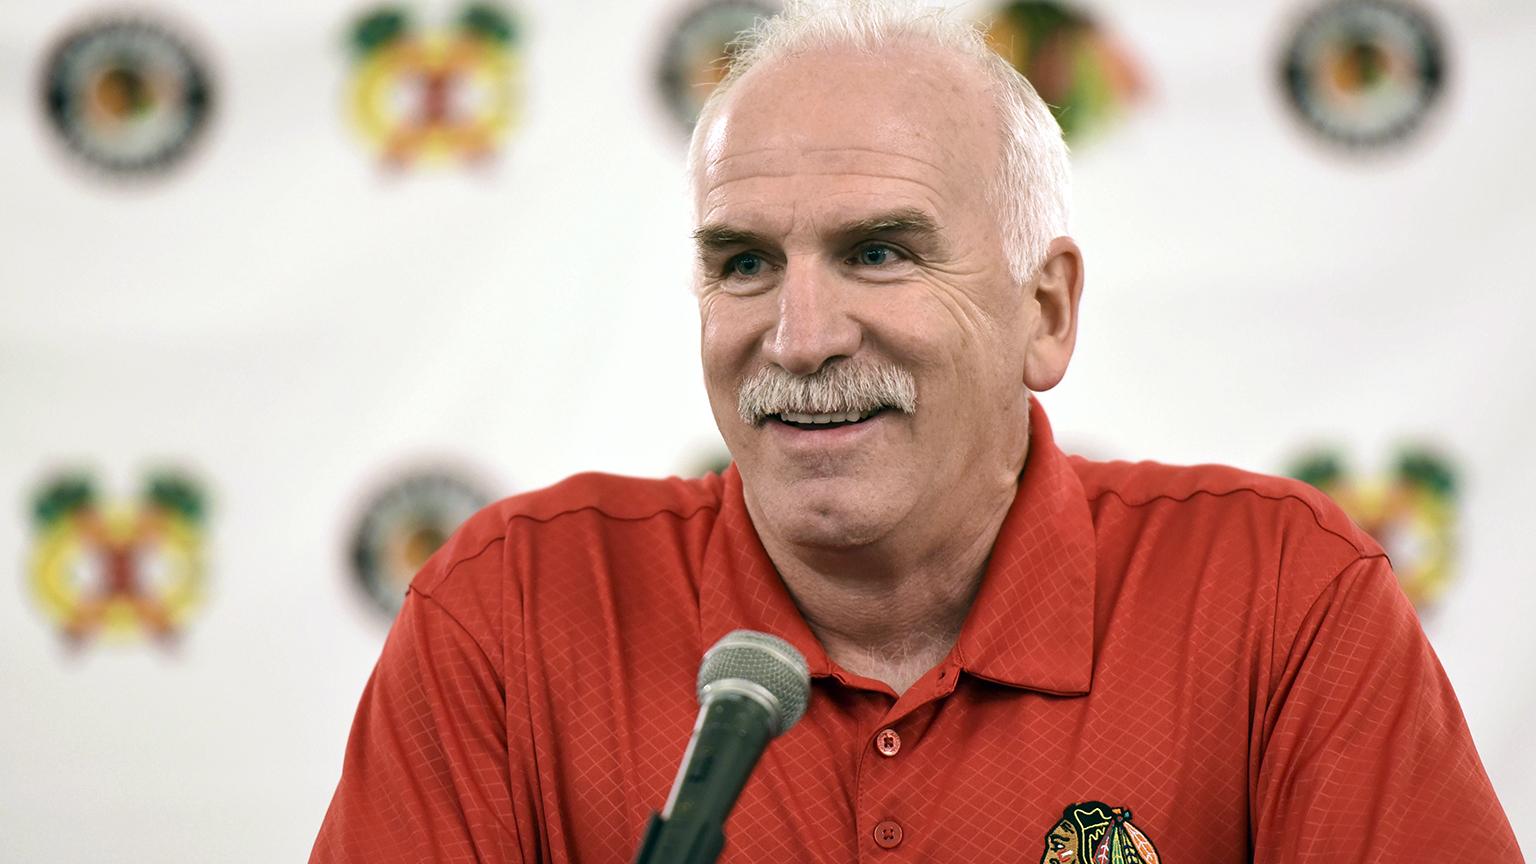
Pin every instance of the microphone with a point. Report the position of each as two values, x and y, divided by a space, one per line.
752 687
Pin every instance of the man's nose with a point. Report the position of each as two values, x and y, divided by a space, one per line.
814 325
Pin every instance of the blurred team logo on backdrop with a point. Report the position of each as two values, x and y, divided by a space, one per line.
119 569
127 95
1410 510
1364 73
439 94
1074 64
403 523
1093 832
694 60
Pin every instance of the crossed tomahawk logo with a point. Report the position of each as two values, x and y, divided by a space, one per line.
118 569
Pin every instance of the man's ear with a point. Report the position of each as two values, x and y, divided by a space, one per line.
1057 288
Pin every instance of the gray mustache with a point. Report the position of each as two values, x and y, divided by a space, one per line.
833 389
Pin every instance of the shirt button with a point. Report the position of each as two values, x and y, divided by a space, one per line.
888 742
888 834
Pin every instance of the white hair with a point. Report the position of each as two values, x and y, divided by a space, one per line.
840 387
1033 184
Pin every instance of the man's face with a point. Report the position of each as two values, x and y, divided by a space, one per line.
1060 846
843 221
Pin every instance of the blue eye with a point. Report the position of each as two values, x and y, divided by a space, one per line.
874 256
745 264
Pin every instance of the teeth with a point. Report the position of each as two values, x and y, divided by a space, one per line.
821 419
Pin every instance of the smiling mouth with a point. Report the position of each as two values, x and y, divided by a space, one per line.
824 421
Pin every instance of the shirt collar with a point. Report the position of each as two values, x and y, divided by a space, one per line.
1031 625
1032 622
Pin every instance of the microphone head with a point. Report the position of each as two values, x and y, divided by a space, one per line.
744 658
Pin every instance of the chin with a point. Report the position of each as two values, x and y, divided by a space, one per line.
825 518
831 532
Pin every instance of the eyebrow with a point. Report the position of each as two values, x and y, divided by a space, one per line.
905 221
718 237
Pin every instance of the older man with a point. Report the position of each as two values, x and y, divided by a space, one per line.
1015 655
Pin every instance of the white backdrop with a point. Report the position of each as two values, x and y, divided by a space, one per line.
291 322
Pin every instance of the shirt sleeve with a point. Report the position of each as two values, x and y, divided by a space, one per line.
427 775
1366 755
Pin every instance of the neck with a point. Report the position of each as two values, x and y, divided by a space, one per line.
892 610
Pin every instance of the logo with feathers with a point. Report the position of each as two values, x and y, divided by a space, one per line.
1095 832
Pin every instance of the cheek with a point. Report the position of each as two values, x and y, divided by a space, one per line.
908 329
728 339
942 326
717 334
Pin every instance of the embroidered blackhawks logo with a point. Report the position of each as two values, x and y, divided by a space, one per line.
118 569
438 94
1098 833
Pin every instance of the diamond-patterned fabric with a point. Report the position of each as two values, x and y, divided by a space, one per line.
1224 655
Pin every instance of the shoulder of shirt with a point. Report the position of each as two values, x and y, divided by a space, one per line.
607 498
612 496
1207 491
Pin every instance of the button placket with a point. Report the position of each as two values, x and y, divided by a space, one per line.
884 781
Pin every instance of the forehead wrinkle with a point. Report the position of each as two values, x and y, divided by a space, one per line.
878 152
712 193
753 152
875 151
937 185
780 175
858 169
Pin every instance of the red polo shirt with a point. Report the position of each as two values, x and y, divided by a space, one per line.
1163 664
